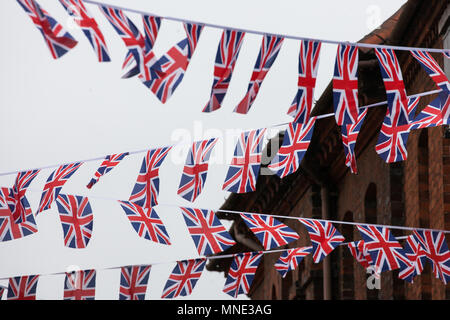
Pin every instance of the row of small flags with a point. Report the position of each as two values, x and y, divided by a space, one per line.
379 250
162 76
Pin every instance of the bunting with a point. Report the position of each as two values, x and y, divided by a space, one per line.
183 278
359 251
22 288
308 66
89 26
290 259
296 140
80 285
349 134
244 167
416 257
195 169
58 40
77 220
269 231
17 201
267 55
226 57
133 282
110 162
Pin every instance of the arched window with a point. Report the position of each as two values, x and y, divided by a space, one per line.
424 200
347 261
370 213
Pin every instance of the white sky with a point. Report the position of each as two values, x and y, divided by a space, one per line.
75 108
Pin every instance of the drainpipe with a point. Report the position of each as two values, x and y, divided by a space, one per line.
326 261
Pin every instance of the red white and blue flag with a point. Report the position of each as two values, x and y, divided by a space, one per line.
436 113
22 288
433 69
2 290
345 85
145 191
58 40
9 230
359 252
391 144
269 231
324 237
195 169
133 282
308 66
110 162
290 259
416 260
146 222
447 54
80 285
17 200
241 273
54 184
295 144
226 57
86 22
349 134
436 251
243 171
384 249
395 88
183 278
267 55
208 234
174 63
77 220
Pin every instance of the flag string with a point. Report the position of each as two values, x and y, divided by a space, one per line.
377 104
358 44
267 214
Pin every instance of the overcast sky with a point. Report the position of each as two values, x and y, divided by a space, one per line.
75 108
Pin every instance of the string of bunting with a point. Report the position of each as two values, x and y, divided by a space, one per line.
378 248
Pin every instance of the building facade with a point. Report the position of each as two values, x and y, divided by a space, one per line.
414 193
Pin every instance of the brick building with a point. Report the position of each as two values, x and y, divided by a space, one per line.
414 193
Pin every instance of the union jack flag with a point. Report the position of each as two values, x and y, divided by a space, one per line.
22 288
226 57
183 278
290 259
435 249
359 252
196 169
151 68
416 260
135 42
308 65
267 55
324 237
2 290
244 167
395 88
80 285
58 40
345 85
106 166
174 63
208 234
241 273
9 230
295 144
54 184
383 247
76 218
433 69
269 231
133 282
436 113
17 201
145 191
349 134
90 28
146 222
